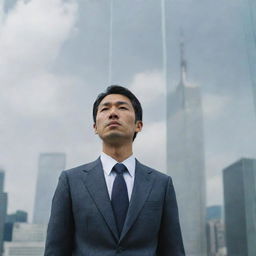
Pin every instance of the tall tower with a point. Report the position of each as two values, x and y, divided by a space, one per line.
3 210
239 181
1 181
50 166
185 159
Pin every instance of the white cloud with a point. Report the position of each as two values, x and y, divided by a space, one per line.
31 36
37 95
32 33
214 105
150 145
148 86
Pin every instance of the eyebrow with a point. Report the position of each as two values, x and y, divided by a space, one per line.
116 103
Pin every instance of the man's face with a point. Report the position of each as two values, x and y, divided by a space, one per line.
115 119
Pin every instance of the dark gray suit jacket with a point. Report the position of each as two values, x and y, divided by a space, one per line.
82 221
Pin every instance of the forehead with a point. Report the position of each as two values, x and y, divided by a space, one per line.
115 98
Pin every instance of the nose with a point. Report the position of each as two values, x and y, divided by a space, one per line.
113 114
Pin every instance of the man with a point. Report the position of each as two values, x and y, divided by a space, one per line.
114 205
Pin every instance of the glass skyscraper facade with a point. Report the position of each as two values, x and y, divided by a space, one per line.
185 160
50 167
240 207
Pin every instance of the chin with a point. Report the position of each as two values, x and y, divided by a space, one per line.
114 138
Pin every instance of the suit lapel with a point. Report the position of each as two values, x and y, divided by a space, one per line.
94 181
142 185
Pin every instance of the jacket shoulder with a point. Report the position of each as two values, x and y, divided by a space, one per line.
83 167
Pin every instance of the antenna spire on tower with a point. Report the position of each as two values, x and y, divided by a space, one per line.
183 62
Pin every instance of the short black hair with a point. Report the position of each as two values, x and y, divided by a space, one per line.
117 89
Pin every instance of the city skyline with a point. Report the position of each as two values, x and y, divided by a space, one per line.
51 83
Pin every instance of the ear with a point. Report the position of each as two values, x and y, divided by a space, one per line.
139 125
95 128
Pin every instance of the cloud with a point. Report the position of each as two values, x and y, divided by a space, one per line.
148 86
33 32
214 105
150 145
38 95
31 36
42 111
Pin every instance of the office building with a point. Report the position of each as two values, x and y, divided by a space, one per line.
3 210
50 167
215 232
8 229
26 232
185 160
1 181
24 249
28 239
18 216
239 181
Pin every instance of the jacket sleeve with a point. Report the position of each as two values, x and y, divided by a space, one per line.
170 238
60 232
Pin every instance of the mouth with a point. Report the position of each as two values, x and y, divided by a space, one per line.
113 124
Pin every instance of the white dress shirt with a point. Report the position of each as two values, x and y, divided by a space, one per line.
108 163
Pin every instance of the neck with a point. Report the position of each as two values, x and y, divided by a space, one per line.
119 153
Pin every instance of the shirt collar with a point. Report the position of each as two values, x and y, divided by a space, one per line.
108 163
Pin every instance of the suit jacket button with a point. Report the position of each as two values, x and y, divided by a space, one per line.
119 249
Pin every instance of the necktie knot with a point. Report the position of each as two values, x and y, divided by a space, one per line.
119 168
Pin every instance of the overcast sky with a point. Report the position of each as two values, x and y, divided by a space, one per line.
55 60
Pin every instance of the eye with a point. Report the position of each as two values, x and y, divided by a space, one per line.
122 108
103 109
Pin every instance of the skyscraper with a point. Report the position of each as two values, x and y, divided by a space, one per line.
28 239
50 166
1 181
185 160
215 231
18 216
215 237
3 210
240 207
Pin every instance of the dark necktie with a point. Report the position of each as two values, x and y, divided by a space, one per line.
119 197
